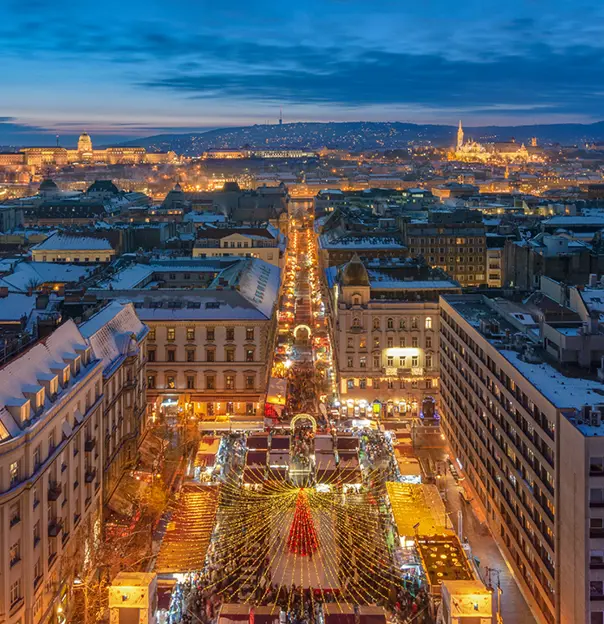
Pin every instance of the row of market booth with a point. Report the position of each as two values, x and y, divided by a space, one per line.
333 613
431 548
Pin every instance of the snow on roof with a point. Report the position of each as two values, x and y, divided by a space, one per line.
34 365
28 274
113 333
562 391
15 306
569 220
360 242
65 242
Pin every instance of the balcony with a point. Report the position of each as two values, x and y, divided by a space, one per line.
54 490
356 330
90 475
89 445
54 527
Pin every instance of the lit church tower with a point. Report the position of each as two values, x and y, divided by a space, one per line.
459 136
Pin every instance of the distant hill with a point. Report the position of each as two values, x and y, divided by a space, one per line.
361 135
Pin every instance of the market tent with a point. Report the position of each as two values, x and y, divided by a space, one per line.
325 464
257 442
323 444
266 615
278 459
126 495
255 458
339 613
417 504
206 452
347 443
372 615
280 443
233 613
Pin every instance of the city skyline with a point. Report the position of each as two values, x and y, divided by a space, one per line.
128 71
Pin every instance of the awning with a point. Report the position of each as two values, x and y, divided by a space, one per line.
126 495
66 429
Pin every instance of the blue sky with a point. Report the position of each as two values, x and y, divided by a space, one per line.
139 67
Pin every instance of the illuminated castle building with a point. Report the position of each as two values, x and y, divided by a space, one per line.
85 154
510 151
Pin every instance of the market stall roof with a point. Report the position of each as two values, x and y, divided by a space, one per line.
280 442
278 459
185 544
372 615
150 450
417 503
348 460
443 559
257 442
266 615
230 612
253 474
323 444
325 461
339 613
255 458
126 494
347 443
206 452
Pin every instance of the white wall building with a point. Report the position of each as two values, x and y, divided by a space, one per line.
67 248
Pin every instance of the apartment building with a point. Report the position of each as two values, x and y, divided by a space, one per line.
118 338
212 325
50 474
385 325
523 419
266 243
452 241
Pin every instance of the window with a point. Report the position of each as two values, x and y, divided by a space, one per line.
376 361
356 322
170 382
402 342
210 334
14 555
402 324
428 342
350 362
171 355
350 343
171 334
390 342
362 384
190 355
13 471
428 322
151 355
363 361
229 382
414 361
390 323
402 362
210 382
428 361
415 342
152 334
230 333
390 361
14 514
51 438
37 577
376 342
15 592
596 466
376 323
249 333
414 322
210 355
249 382
151 381
37 457
596 496
350 384
35 496
230 354
249 409
363 343
597 617
210 409
596 588
190 382
190 333
36 533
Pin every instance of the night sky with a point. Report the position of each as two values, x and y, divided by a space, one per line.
140 67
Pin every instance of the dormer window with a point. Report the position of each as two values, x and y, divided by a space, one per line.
35 394
74 362
50 383
62 370
20 409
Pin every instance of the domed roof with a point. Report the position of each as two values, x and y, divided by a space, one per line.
355 273
48 185
231 187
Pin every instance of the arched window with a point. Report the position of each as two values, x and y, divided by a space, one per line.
356 300
402 324
428 322
414 322
390 323
356 322
376 323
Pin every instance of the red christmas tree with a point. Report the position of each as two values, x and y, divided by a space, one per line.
302 538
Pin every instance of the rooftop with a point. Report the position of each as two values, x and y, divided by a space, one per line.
66 242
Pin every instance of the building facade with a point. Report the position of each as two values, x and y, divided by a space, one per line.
385 326
50 474
529 440
117 337
66 248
